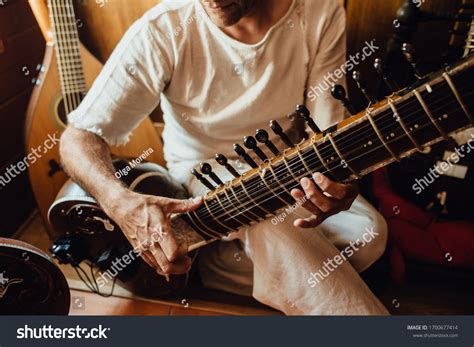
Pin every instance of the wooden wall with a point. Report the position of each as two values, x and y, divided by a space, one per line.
105 22
21 50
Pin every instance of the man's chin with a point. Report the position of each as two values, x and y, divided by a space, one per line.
225 22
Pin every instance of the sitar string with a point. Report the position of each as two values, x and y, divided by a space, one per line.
298 162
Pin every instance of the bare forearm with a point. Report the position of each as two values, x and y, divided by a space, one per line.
86 159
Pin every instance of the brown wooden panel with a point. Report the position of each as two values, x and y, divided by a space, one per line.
26 44
11 131
105 22
13 81
373 19
16 201
15 16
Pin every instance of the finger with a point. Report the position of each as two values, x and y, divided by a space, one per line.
150 260
310 222
162 235
337 190
314 195
170 268
299 196
181 206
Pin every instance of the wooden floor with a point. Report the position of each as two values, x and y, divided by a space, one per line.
428 290
84 303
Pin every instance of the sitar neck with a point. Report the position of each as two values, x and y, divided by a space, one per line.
68 52
384 133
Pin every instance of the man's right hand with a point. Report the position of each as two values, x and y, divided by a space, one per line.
144 219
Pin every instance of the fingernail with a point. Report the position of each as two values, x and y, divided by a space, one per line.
305 182
318 177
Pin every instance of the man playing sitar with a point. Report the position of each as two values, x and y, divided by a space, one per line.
221 69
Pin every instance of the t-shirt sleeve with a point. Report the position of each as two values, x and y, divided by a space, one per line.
330 57
129 86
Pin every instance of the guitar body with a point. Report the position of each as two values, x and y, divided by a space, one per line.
46 117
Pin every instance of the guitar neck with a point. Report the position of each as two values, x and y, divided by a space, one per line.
387 132
68 52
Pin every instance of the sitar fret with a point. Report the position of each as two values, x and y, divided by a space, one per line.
403 125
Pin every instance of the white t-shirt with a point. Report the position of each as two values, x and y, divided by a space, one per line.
214 90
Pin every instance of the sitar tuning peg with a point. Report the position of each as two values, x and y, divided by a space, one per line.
356 75
278 130
222 160
241 152
206 169
304 113
410 55
201 179
339 93
263 137
251 143
387 77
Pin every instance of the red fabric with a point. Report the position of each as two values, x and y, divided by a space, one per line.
414 233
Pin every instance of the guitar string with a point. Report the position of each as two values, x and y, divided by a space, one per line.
284 169
64 53
381 146
299 161
54 16
63 47
71 50
80 85
67 50
342 142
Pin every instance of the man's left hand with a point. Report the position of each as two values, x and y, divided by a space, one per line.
330 199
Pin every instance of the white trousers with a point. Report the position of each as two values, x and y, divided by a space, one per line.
300 271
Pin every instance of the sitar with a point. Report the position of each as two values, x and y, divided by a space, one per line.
66 73
402 124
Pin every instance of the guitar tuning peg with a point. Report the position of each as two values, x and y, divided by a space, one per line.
263 137
251 143
201 179
410 56
206 169
241 152
222 160
278 130
387 77
338 92
356 75
304 113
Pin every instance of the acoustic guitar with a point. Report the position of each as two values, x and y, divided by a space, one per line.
404 123
67 71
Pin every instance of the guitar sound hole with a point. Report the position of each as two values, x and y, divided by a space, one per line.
72 101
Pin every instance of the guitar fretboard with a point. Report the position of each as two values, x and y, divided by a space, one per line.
381 135
68 52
